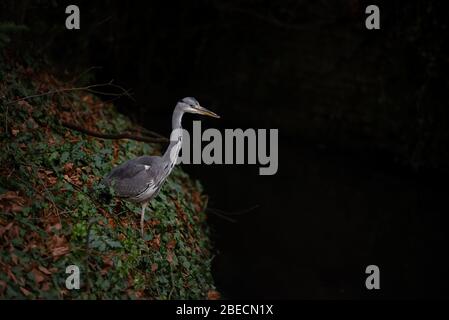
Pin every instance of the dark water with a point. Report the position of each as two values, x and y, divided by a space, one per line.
320 221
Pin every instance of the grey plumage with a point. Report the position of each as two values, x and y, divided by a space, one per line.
132 178
139 180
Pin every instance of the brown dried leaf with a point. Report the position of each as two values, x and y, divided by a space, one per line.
45 286
68 166
60 251
25 291
16 208
171 244
58 246
52 180
108 261
44 270
57 226
156 242
14 232
10 195
170 257
12 276
213 295
38 276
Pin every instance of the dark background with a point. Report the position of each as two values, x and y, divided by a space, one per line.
362 116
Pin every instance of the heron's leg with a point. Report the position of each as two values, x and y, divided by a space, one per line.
142 217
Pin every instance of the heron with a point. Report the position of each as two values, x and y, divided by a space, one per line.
139 180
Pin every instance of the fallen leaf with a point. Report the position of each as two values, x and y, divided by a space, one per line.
52 180
25 291
111 223
171 244
170 257
108 261
213 295
51 141
44 270
38 276
156 242
58 246
45 286
60 251
12 276
16 208
10 195
68 166
14 232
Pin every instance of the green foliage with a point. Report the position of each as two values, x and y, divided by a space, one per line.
51 216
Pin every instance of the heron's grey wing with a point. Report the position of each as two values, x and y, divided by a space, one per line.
132 177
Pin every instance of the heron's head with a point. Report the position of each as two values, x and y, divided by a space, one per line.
191 105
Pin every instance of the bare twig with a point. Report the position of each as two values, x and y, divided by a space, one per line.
140 129
89 88
113 136
221 216
225 215
234 213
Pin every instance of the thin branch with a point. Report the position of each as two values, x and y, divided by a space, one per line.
221 216
234 213
89 88
140 129
113 136
225 215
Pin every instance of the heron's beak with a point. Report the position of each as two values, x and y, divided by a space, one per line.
208 112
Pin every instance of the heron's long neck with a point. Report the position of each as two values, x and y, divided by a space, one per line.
172 152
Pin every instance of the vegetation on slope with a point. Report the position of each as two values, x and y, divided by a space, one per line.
51 216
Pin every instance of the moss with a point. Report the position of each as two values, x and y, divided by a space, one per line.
51 217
